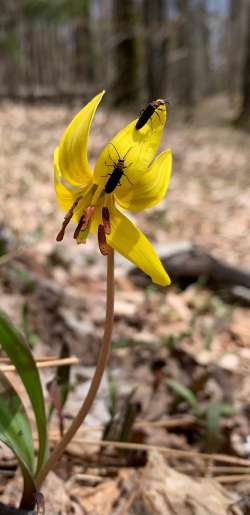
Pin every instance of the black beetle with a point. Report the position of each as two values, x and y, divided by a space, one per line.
149 111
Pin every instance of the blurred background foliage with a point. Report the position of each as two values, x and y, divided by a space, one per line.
184 50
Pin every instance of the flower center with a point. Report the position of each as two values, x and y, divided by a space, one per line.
83 227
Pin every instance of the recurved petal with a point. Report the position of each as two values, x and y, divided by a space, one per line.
152 187
72 154
129 241
67 194
137 147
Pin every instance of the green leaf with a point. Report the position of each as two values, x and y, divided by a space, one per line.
20 355
15 432
30 338
183 392
214 437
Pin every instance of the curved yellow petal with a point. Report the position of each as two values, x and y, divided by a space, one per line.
67 194
131 243
150 190
72 154
136 147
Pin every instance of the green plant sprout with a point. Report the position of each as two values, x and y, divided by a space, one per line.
209 417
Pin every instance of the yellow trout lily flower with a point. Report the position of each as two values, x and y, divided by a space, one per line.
125 173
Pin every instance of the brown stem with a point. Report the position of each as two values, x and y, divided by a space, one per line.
100 367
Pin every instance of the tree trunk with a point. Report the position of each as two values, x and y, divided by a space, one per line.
125 90
84 68
244 118
187 72
156 47
202 54
235 52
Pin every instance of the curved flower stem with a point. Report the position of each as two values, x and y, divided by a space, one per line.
100 367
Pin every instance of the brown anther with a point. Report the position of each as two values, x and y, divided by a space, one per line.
104 247
81 225
84 220
106 220
66 220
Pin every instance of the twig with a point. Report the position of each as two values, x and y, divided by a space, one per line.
84 477
233 479
72 360
230 470
42 358
164 450
168 423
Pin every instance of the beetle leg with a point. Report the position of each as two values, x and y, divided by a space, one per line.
128 179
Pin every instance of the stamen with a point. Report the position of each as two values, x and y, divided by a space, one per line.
106 220
80 225
104 247
66 220
96 195
84 221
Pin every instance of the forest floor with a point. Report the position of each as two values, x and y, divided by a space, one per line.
178 375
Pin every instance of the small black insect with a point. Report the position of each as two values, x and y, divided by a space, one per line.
149 111
116 175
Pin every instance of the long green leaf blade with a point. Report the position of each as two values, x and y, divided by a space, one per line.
15 432
20 355
183 392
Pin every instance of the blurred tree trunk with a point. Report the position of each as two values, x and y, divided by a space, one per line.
155 15
125 90
202 57
84 67
235 51
186 42
244 118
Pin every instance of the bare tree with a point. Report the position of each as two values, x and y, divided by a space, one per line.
186 42
125 53
84 68
202 52
244 118
155 16
234 51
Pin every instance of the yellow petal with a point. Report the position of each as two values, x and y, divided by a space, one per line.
150 190
131 243
66 194
72 156
138 147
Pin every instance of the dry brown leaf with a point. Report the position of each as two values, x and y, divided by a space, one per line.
167 491
98 500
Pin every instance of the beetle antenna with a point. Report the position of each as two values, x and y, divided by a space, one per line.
130 148
115 149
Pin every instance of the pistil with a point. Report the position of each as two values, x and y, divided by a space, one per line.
82 229
104 247
106 220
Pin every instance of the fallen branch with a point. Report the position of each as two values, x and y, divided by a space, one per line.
186 263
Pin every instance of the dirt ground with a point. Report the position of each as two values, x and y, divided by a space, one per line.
181 358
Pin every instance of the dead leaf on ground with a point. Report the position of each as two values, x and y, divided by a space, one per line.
167 491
